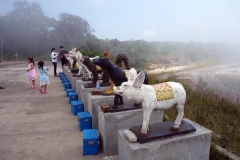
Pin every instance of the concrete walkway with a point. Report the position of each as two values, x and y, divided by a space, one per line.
37 126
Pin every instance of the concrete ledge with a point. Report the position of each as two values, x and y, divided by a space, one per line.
110 123
65 70
75 79
226 153
68 74
80 83
84 92
71 80
191 146
93 102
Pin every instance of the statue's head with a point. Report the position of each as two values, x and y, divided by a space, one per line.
129 89
106 53
102 62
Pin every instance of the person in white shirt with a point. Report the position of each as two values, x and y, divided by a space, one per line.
54 56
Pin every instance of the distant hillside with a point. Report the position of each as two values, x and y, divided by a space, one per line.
26 31
164 54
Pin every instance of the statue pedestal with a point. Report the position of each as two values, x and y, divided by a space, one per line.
110 123
71 80
80 83
162 130
195 145
84 92
65 69
93 102
67 72
74 83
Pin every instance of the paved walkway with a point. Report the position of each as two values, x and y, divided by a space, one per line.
37 126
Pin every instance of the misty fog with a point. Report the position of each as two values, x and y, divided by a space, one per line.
195 43
184 34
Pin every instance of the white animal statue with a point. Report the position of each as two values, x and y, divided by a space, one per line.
70 58
72 55
160 96
79 58
132 74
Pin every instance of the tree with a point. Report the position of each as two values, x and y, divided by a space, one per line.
26 28
73 29
1 36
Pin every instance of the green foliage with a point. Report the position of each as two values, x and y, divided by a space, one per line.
152 79
215 155
201 84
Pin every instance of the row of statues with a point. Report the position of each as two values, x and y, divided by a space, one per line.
131 84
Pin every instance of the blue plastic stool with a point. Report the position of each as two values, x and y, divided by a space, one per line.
68 91
90 142
67 85
65 80
84 120
72 97
62 77
76 106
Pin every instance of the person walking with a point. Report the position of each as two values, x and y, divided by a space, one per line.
62 56
31 73
44 81
54 56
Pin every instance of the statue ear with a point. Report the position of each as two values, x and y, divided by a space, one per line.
134 72
138 81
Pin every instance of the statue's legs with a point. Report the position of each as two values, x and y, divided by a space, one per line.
74 63
110 90
87 70
105 80
120 100
116 100
80 68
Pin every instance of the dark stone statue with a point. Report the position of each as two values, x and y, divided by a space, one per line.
116 74
93 68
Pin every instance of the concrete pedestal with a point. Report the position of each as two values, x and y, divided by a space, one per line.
68 74
110 123
84 92
191 146
71 80
65 68
93 102
75 79
80 83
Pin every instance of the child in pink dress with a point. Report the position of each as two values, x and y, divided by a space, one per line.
31 73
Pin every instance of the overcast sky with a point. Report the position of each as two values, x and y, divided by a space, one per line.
151 20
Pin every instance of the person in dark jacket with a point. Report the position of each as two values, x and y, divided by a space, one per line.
62 56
